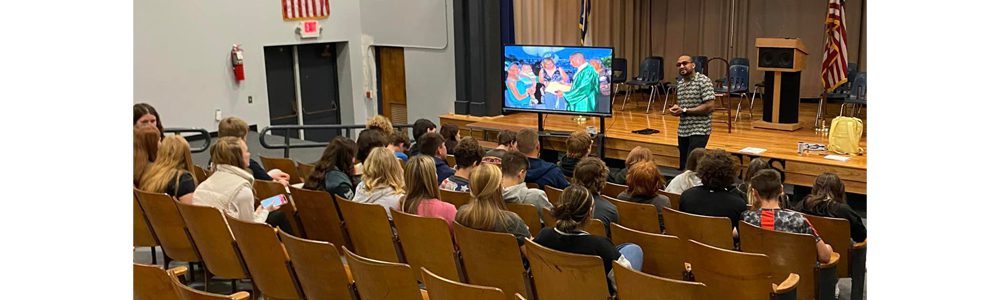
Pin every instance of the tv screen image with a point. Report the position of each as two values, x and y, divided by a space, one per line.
557 79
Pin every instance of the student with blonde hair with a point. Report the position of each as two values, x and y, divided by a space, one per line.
381 180
422 194
382 123
145 141
172 171
487 210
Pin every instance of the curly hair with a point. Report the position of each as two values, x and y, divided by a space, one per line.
382 123
717 170
468 153
592 174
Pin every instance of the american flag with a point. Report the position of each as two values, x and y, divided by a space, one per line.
305 9
585 38
834 72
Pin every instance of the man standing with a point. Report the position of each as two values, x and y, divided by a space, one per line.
582 95
695 103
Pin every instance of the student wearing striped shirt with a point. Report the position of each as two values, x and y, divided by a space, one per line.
766 189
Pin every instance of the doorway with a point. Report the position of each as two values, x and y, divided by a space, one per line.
302 88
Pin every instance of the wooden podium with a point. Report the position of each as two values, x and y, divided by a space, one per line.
782 60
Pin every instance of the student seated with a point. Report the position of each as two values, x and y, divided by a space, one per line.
382 180
422 195
381 123
144 115
636 155
330 174
767 213
743 189
514 169
592 174
577 147
494 157
230 187
468 154
451 137
576 208
236 127
540 172
432 144
717 171
507 140
487 211
689 178
145 144
172 171
420 127
643 181
827 199
398 144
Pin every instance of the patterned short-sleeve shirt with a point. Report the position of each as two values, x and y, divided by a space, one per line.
690 94
780 220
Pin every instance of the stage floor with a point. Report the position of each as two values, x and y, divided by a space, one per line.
798 169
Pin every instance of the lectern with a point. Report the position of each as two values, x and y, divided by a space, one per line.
782 60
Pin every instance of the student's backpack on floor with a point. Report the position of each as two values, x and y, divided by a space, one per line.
845 136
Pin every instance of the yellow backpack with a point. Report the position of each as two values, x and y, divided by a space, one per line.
845 136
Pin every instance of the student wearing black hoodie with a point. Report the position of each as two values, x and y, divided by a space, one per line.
577 147
540 172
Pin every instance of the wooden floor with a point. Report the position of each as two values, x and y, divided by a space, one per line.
799 169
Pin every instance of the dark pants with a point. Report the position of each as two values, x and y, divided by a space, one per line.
278 219
688 143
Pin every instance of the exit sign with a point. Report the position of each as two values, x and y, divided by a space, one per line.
309 29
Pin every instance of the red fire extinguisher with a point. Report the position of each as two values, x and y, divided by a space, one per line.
237 60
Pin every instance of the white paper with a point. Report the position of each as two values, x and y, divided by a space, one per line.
837 157
752 150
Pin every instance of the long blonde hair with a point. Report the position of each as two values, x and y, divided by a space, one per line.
145 141
421 182
173 159
486 208
382 169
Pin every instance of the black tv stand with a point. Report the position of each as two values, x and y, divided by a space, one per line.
600 133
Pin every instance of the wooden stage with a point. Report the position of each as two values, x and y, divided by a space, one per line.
781 145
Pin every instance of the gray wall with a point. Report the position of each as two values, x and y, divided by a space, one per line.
181 60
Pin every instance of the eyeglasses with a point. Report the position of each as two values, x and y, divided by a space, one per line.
683 63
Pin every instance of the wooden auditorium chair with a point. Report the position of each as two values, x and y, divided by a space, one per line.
150 282
675 199
613 189
305 170
635 285
715 231
382 280
664 254
440 288
729 274
638 216
837 233
215 242
793 253
370 230
263 189
168 226
266 259
142 233
200 174
562 275
427 244
285 165
528 214
318 267
188 293
553 194
595 226
492 259
456 198
319 217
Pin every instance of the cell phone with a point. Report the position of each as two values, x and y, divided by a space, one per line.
275 201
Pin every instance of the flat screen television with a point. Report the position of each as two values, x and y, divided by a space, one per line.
557 79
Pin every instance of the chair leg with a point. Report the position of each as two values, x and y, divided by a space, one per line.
666 100
232 286
652 94
628 93
739 105
842 108
152 253
204 271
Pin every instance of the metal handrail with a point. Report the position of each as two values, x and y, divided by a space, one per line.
287 146
201 133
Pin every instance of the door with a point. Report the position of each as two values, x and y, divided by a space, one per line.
391 84
281 101
320 93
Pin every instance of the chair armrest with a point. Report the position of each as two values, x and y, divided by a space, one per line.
834 258
242 295
786 286
861 245
177 271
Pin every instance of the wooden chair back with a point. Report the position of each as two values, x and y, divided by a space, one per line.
168 226
150 282
789 253
142 234
440 288
528 214
450 159
613 189
553 194
210 233
595 226
264 189
284 164
320 219
562 275
427 244
200 174
837 233
318 268
675 199
635 285
531 185
369 230
491 259
731 274
266 259
665 255
715 231
456 198
638 216
189 293
305 170
381 280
